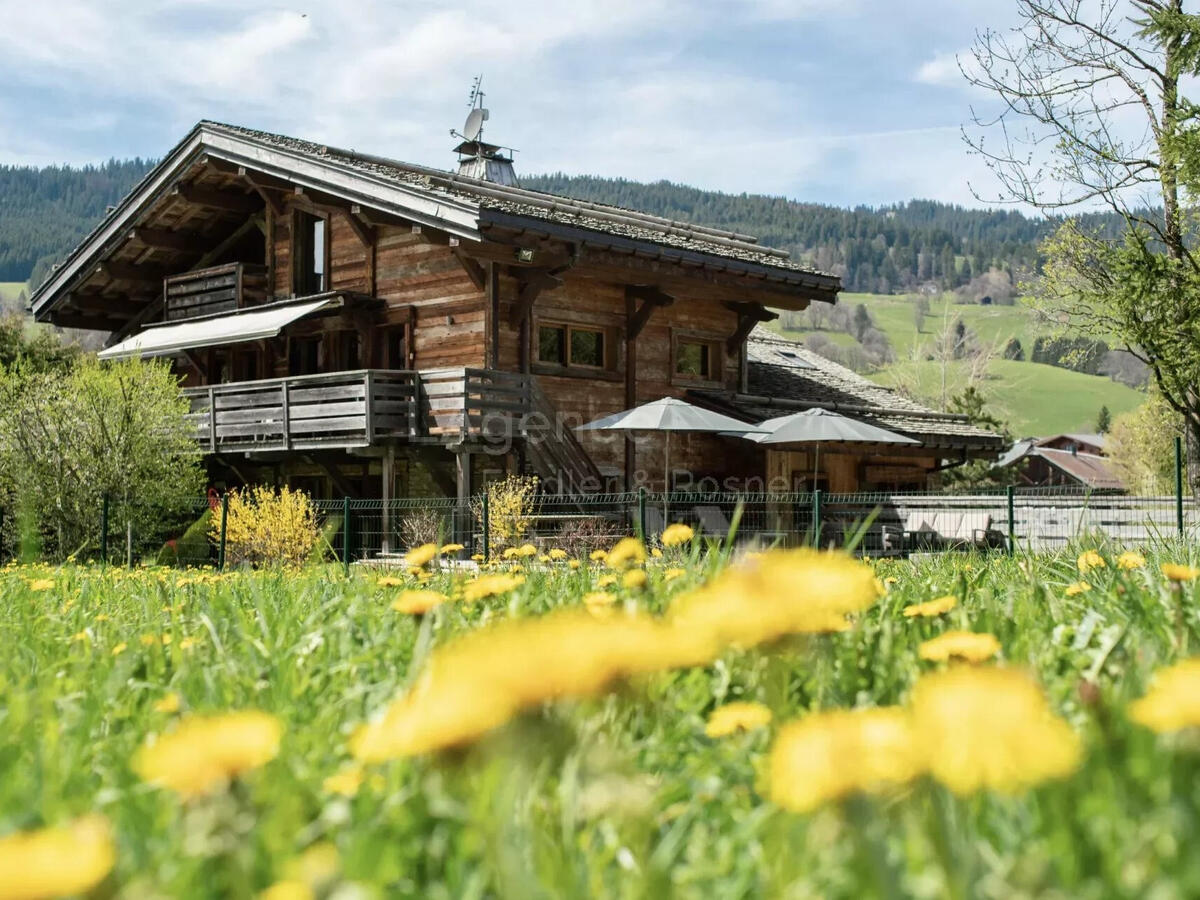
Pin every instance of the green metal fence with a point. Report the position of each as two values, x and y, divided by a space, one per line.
874 524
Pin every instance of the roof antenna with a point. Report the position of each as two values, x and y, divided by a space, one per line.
477 158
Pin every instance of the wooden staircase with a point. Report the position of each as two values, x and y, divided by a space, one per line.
553 452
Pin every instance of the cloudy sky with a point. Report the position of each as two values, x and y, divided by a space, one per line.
837 101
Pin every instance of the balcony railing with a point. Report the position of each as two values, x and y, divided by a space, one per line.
217 289
358 409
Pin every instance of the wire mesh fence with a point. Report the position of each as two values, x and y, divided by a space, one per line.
872 524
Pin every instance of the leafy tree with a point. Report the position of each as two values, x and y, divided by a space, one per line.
32 347
1093 110
977 473
920 311
1103 420
862 321
1014 350
1141 447
121 430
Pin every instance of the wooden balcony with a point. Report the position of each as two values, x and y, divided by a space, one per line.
217 289
358 409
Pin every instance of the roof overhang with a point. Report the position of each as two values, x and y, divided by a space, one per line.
222 329
331 176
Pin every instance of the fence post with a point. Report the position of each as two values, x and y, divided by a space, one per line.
1179 484
346 536
816 514
642 513
224 531
1009 493
487 527
104 529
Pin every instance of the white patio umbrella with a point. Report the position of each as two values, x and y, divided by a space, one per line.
822 426
669 415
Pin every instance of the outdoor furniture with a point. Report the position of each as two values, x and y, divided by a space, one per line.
941 530
712 521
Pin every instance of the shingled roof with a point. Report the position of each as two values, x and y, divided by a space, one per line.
464 206
783 376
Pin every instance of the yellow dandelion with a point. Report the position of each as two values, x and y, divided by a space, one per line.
1076 588
574 564
168 703
1173 701
451 548
204 752
780 593
81 637
930 608
188 643
421 556
598 555
625 553
120 648
544 558
829 755
478 557
288 890
676 534
1131 559
166 639
673 573
1088 560
149 640
65 860
557 553
1177 572
599 603
606 581
101 617
41 584
527 550
970 646
490 586
417 603
987 728
634 579
389 581
345 782
656 553
735 717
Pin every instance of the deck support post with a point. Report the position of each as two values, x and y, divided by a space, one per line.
389 468
463 476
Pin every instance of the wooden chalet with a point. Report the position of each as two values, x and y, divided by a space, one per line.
356 325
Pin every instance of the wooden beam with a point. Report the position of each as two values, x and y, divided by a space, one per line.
364 231
473 269
652 298
162 239
121 271
129 327
90 323
223 200
228 241
532 283
493 312
199 366
99 303
749 315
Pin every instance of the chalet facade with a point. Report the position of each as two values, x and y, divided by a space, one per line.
356 325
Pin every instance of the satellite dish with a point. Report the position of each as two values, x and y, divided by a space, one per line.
474 126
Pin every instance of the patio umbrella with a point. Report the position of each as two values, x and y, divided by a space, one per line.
669 415
822 426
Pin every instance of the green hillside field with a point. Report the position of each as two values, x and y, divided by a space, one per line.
11 290
1033 398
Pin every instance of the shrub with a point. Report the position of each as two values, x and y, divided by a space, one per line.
422 526
579 537
510 508
268 527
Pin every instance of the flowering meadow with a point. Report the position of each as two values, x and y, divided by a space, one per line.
672 720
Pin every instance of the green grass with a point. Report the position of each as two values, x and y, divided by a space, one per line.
619 795
1033 398
11 290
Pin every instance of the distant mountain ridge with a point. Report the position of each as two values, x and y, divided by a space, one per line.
44 212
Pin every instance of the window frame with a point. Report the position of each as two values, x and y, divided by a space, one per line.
303 249
607 364
716 358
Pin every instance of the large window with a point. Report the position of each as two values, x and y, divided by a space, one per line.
572 345
312 254
696 359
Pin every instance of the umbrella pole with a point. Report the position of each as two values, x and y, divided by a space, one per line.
667 481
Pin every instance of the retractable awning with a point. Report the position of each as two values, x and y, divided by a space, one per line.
253 324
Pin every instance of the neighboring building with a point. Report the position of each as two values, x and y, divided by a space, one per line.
355 325
1063 460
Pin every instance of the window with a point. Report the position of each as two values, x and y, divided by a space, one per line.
349 350
304 355
694 359
312 251
587 348
552 344
568 345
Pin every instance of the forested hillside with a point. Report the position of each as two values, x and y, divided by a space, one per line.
874 250
44 212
